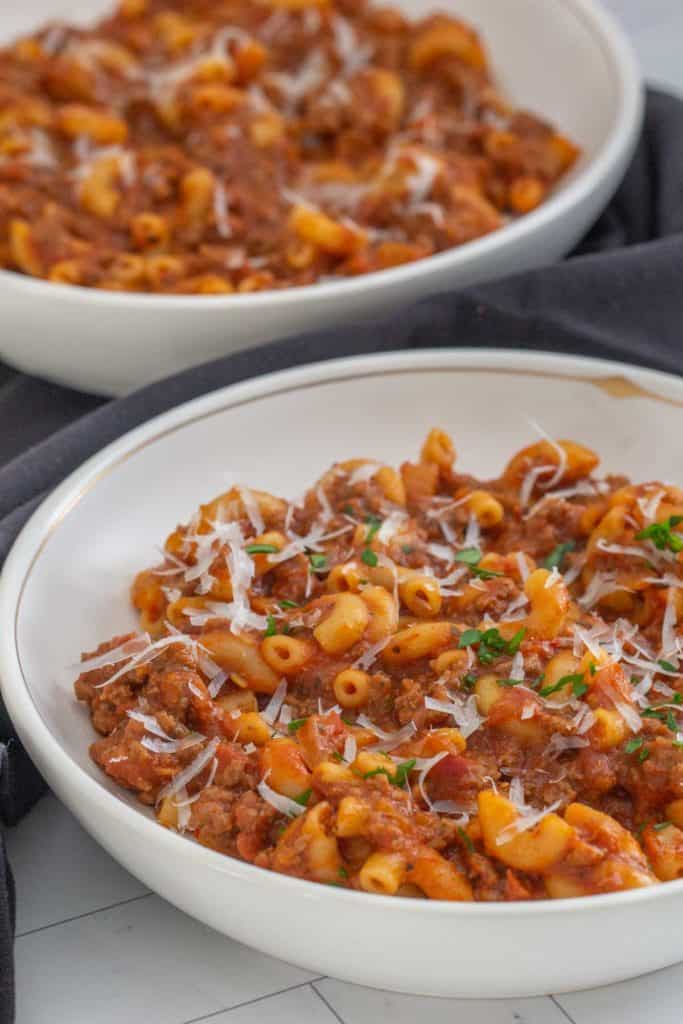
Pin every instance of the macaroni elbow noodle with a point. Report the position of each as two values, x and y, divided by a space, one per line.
344 625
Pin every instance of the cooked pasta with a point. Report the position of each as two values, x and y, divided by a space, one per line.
214 147
450 688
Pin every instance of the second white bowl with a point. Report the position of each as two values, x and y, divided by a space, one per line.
564 59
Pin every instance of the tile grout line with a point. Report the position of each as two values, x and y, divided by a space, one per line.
562 1010
329 1006
250 1002
78 917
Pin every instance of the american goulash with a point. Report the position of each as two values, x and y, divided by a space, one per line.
218 146
413 682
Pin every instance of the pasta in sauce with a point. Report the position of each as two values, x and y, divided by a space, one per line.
412 682
219 146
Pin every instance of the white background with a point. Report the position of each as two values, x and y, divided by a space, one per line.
94 946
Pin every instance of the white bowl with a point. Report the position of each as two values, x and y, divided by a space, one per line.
65 587
564 59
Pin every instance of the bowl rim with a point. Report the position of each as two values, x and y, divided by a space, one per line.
65 774
615 147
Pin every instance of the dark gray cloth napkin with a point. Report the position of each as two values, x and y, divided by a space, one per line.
620 296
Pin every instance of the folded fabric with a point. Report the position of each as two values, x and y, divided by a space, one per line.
618 297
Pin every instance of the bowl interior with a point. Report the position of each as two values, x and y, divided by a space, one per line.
547 57
279 434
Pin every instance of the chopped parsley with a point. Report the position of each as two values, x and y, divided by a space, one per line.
468 556
369 557
336 756
261 549
471 557
660 825
666 665
303 798
484 574
403 771
466 839
343 873
407 549
491 644
469 637
664 715
634 744
661 534
469 680
516 642
509 682
348 510
374 524
643 755
296 724
575 680
288 604
400 775
271 628
557 555
318 562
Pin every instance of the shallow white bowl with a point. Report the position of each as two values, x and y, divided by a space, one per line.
565 59
65 587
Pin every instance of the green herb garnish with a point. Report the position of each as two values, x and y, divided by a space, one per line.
318 562
471 558
661 536
343 873
466 839
509 682
516 642
634 744
374 525
491 644
296 724
660 825
288 604
556 556
303 798
403 771
369 557
407 549
468 556
348 510
469 680
400 775
271 628
666 665
643 755
261 549
469 637
577 684
484 574
664 715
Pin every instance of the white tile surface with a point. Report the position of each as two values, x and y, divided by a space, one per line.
60 871
356 1005
143 962
299 1006
626 1003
